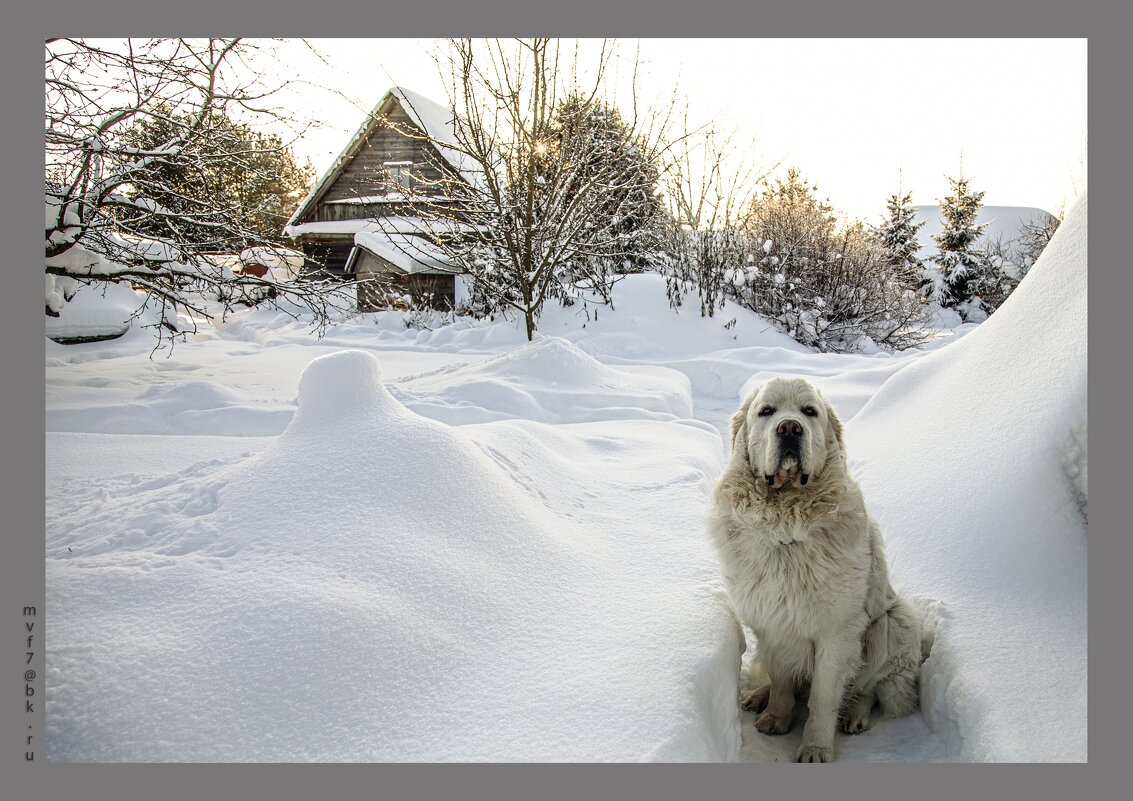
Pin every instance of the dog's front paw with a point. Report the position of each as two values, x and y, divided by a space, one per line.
814 753
756 700
769 724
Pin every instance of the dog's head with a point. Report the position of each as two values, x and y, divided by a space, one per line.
787 433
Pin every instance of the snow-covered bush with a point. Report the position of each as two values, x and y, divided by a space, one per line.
707 263
831 286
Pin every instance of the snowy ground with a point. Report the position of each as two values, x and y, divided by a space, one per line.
391 545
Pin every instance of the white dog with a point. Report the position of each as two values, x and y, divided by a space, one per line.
805 569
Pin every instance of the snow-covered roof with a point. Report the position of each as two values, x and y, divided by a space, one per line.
1003 222
439 122
410 254
392 224
435 120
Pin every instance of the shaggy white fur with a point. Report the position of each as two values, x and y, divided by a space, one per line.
804 565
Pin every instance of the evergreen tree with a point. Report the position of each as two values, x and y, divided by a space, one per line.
965 271
898 236
249 175
596 138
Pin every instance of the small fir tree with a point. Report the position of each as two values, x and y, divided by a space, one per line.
898 236
965 271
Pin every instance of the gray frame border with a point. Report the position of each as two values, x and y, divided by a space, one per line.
20 325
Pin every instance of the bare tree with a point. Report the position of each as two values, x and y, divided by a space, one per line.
537 203
1033 238
103 220
710 179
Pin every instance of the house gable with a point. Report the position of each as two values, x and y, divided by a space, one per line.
357 185
366 175
404 134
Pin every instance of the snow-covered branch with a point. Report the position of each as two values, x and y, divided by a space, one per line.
146 169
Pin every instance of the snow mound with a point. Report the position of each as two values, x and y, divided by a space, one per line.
642 326
192 407
336 596
191 395
95 313
962 456
551 380
341 385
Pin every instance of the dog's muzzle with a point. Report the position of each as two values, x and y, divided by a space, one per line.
788 466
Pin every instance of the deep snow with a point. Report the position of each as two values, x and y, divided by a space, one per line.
1007 405
454 545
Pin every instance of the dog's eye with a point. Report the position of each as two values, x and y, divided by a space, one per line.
767 411
810 411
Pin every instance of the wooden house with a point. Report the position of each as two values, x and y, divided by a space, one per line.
357 221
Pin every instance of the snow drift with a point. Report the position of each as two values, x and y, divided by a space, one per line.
550 380
367 584
377 586
973 459
97 312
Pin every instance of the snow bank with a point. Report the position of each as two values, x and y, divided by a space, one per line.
641 326
973 459
377 586
97 312
639 329
550 380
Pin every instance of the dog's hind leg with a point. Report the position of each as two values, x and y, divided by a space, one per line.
897 693
854 717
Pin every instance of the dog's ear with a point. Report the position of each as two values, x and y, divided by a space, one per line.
739 425
835 424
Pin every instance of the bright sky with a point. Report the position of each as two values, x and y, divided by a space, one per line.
856 116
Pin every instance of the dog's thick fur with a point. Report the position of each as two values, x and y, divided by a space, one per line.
805 569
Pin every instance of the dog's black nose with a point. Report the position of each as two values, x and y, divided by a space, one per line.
792 427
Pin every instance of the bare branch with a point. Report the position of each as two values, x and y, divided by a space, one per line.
147 177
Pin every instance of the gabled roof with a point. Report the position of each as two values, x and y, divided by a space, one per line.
439 122
392 224
433 119
410 254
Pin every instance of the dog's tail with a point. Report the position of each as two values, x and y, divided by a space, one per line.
928 610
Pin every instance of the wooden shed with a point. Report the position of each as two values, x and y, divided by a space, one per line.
357 221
